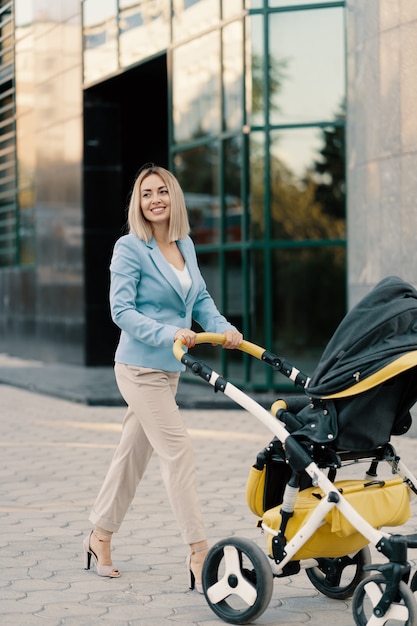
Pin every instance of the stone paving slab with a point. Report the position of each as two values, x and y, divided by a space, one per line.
54 454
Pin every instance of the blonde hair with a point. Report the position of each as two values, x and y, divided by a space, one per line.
179 226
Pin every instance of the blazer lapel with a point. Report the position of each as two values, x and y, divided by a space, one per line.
164 268
191 266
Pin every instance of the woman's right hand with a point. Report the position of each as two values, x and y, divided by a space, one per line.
187 337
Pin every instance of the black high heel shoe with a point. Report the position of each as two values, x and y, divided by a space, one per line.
102 570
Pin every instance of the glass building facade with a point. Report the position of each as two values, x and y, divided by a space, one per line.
244 101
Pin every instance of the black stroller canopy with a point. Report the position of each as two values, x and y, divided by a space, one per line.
379 329
366 381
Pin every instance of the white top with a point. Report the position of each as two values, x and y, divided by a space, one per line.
184 278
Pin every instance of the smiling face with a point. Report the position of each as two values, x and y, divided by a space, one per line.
155 202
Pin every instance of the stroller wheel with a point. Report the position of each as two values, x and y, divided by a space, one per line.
237 580
368 594
338 578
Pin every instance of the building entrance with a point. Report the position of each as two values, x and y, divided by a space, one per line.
125 126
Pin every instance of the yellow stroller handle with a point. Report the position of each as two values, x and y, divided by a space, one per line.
218 339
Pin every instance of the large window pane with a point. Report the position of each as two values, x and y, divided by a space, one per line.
308 183
143 29
99 38
197 172
191 17
196 88
307 65
308 299
233 75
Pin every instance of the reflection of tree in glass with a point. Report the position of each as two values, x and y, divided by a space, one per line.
331 187
233 165
196 169
296 212
277 72
311 207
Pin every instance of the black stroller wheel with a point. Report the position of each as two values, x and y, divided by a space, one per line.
338 578
237 580
367 595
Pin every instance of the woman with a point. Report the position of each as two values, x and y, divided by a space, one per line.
156 291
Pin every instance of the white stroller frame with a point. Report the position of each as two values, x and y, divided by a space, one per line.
390 595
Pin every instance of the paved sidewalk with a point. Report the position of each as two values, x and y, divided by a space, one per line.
54 454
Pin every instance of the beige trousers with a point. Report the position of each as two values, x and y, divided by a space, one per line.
152 422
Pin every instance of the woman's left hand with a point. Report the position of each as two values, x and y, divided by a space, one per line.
233 339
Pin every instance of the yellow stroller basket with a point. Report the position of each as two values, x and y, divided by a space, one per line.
380 503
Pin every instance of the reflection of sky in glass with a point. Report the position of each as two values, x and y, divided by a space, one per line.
23 12
196 94
307 49
298 148
97 11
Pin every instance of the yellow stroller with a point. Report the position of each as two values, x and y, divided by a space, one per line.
359 395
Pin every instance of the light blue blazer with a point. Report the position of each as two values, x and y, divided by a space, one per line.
148 305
